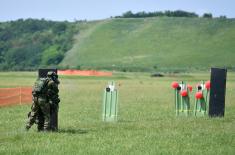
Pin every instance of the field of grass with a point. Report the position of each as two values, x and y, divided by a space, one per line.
146 121
148 44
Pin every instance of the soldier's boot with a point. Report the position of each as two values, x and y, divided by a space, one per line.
31 119
28 125
40 127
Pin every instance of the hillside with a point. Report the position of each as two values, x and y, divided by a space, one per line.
32 43
154 44
124 44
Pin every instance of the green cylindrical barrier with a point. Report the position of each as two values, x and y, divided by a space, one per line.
110 102
201 99
182 100
177 101
176 88
185 100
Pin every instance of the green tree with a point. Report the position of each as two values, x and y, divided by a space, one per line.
59 28
128 14
207 15
25 43
52 56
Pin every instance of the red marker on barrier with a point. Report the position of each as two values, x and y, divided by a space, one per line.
184 93
174 85
190 88
199 95
208 84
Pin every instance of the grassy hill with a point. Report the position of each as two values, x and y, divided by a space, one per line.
154 44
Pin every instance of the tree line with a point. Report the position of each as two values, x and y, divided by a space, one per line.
177 13
32 43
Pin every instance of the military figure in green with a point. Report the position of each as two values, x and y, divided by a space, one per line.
53 98
45 101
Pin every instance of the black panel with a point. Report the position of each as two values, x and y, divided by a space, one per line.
54 121
43 72
217 92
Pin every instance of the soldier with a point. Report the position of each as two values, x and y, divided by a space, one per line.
43 101
53 98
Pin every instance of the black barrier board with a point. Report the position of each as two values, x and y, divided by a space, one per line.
54 121
42 73
217 92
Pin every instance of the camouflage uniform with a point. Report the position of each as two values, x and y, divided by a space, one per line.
53 97
40 105
45 105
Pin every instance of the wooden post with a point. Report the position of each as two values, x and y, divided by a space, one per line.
20 96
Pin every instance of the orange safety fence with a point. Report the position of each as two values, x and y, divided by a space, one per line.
84 72
13 96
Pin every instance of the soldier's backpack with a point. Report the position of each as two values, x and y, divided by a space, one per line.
39 87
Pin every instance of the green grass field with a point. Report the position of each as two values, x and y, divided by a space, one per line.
147 122
153 44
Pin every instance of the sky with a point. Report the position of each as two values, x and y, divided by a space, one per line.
70 10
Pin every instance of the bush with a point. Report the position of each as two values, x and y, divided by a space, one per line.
52 56
207 15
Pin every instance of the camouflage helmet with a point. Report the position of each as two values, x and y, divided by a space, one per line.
52 74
